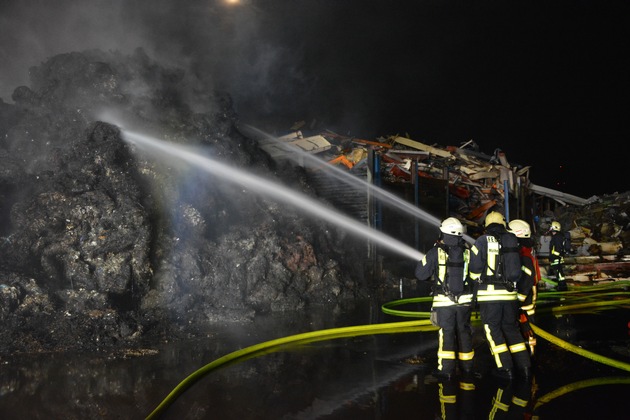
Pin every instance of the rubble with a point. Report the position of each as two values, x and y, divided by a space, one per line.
104 246
478 183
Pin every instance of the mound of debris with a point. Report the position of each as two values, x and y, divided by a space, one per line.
463 182
103 245
600 238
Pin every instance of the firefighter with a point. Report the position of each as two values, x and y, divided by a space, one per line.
526 287
557 250
447 265
495 265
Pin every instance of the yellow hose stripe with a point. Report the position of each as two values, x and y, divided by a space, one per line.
578 350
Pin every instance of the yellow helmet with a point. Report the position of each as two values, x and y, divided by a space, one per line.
452 226
555 226
520 228
495 217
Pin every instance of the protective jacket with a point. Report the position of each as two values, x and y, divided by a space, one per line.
557 248
447 263
495 264
527 285
527 292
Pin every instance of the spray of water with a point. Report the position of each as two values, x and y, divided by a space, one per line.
271 189
386 197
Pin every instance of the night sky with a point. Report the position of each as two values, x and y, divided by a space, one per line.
545 81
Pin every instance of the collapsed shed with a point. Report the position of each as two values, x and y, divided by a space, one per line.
464 182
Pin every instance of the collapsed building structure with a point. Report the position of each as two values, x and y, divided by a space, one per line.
463 182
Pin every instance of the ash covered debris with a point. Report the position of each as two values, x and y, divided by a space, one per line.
103 245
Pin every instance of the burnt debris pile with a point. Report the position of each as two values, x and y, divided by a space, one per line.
103 245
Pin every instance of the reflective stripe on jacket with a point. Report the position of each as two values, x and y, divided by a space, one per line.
494 292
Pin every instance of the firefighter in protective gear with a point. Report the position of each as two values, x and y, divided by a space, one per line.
557 250
447 265
495 265
526 287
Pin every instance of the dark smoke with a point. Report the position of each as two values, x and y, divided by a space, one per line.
534 79
223 46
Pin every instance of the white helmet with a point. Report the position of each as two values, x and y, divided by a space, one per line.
520 228
452 226
555 226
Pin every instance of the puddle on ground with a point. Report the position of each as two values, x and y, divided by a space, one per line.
368 377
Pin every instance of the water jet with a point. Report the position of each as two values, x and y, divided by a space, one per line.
264 186
386 197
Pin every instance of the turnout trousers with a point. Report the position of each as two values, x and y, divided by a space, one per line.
556 269
454 338
500 324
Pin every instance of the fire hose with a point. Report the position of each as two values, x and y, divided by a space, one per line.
422 325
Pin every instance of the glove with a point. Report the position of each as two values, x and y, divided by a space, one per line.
523 318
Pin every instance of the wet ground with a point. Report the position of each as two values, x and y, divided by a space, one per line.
383 376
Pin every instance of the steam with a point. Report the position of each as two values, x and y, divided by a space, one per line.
440 72
277 59
221 44
31 32
265 187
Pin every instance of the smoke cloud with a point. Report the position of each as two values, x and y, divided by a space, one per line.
224 45
515 76
346 63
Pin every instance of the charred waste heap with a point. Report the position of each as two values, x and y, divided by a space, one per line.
102 246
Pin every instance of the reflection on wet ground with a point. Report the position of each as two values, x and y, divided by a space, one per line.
367 377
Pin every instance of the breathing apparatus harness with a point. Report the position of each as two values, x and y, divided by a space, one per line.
443 272
496 253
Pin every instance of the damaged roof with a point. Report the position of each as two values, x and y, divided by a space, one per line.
477 182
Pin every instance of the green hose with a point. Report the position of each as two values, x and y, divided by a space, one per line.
287 342
548 280
595 305
386 308
580 385
411 326
580 351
